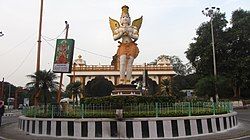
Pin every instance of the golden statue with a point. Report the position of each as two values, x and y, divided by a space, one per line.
128 49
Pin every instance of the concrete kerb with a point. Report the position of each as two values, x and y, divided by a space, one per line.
133 128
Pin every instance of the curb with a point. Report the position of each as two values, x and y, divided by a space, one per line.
135 128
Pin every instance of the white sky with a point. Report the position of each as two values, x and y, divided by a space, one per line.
168 28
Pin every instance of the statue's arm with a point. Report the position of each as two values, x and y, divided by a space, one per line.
117 34
134 34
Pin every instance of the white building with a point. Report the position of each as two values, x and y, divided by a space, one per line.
84 73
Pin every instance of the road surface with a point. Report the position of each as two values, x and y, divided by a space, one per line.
10 130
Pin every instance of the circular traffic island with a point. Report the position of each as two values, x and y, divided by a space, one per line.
155 120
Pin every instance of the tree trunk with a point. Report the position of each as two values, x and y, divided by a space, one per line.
76 100
36 100
45 102
73 101
236 91
36 97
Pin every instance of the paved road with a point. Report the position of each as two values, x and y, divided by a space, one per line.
9 119
244 114
242 132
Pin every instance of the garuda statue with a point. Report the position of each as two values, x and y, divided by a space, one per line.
127 49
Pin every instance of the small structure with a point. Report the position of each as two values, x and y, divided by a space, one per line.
65 106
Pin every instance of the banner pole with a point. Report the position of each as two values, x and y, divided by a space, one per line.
61 77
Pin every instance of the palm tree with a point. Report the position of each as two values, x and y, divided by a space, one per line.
74 89
45 82
165 87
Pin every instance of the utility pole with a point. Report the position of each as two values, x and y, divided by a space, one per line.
210 12
38 51
39 38
61 77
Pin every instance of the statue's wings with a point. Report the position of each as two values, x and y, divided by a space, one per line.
114 24
137 23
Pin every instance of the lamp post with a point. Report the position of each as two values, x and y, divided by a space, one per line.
210 12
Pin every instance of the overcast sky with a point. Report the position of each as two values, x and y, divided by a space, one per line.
168 28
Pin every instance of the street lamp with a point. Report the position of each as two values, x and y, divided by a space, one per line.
210 12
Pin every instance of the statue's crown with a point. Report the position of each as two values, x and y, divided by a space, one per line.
125 10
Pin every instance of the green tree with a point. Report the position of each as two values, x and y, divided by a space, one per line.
205 87
237 56
9 89
178 66
199 52
165 88
185 81
99 87
231 50
152 87
31 91
46 83
74 89
170 89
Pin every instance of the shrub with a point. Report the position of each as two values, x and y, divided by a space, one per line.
125 100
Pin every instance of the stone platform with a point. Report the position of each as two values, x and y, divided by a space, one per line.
126 90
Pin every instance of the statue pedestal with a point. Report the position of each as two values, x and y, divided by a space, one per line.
126 90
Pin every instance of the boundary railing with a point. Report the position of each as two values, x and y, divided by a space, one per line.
130 110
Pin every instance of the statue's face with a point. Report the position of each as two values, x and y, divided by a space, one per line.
125 19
